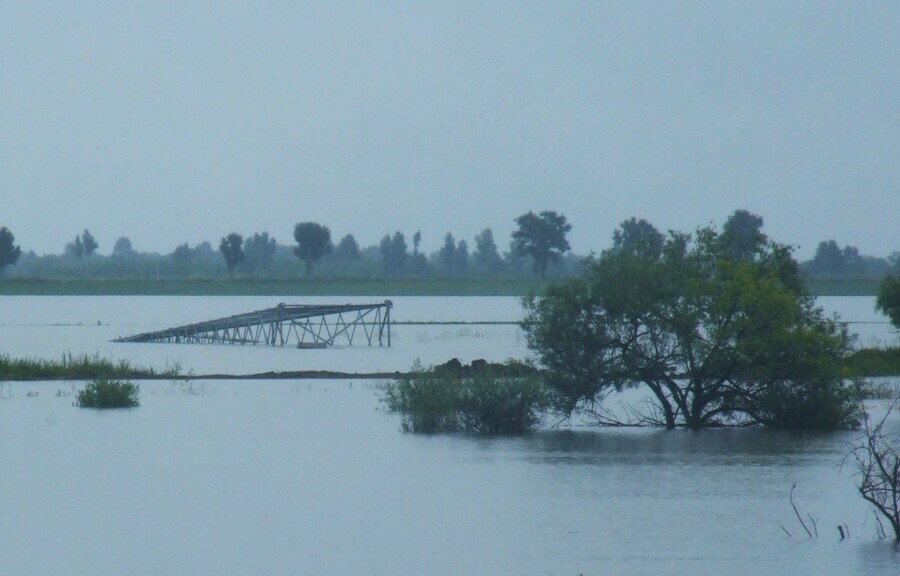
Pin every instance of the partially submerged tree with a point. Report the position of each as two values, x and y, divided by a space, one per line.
232 251
888 300
877 457
716 340
9 252
543 237
313 243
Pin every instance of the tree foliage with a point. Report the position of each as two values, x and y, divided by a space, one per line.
347 249
232 251
716 340
742 233
123 248
888 300
9 252
446 256
181 257
89 243
543 237
638 238
487 258
75 248
313 243
259 250
393 253
832 260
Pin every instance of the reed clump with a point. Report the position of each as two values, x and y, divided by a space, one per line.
76 367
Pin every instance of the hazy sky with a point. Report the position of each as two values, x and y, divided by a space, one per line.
172 122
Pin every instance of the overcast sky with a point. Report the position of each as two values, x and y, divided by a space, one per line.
172 122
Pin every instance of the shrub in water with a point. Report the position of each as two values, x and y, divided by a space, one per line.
108 394
435 401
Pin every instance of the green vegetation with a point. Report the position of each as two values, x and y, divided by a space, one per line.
9 252
873 362
105 393
718 327
542 237
485 401
843 286
888 300
313 243
70 367
232 249
333 287
275 287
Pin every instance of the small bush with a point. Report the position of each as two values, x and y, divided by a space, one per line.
108 394
484 403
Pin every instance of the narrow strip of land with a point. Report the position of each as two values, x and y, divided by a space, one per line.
377 287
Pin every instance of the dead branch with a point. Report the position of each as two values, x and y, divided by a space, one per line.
797 512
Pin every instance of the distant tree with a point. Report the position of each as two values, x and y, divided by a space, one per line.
393 253
259 250
462 256
417 263
122 248
486 257
399 249
854 265
515 259
638 238
182 259
232 251
894 262
9 252
347 249
313 242
888 300
543 237
75 248
742 234
447 255
90 245
829 260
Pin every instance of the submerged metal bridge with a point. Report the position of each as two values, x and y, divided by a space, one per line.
306 326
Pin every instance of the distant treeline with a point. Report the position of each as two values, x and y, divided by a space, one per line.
538 247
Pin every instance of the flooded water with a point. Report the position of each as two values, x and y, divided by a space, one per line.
315 477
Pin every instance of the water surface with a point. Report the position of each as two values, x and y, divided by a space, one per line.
314 477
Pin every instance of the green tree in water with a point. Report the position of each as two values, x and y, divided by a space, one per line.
717 340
